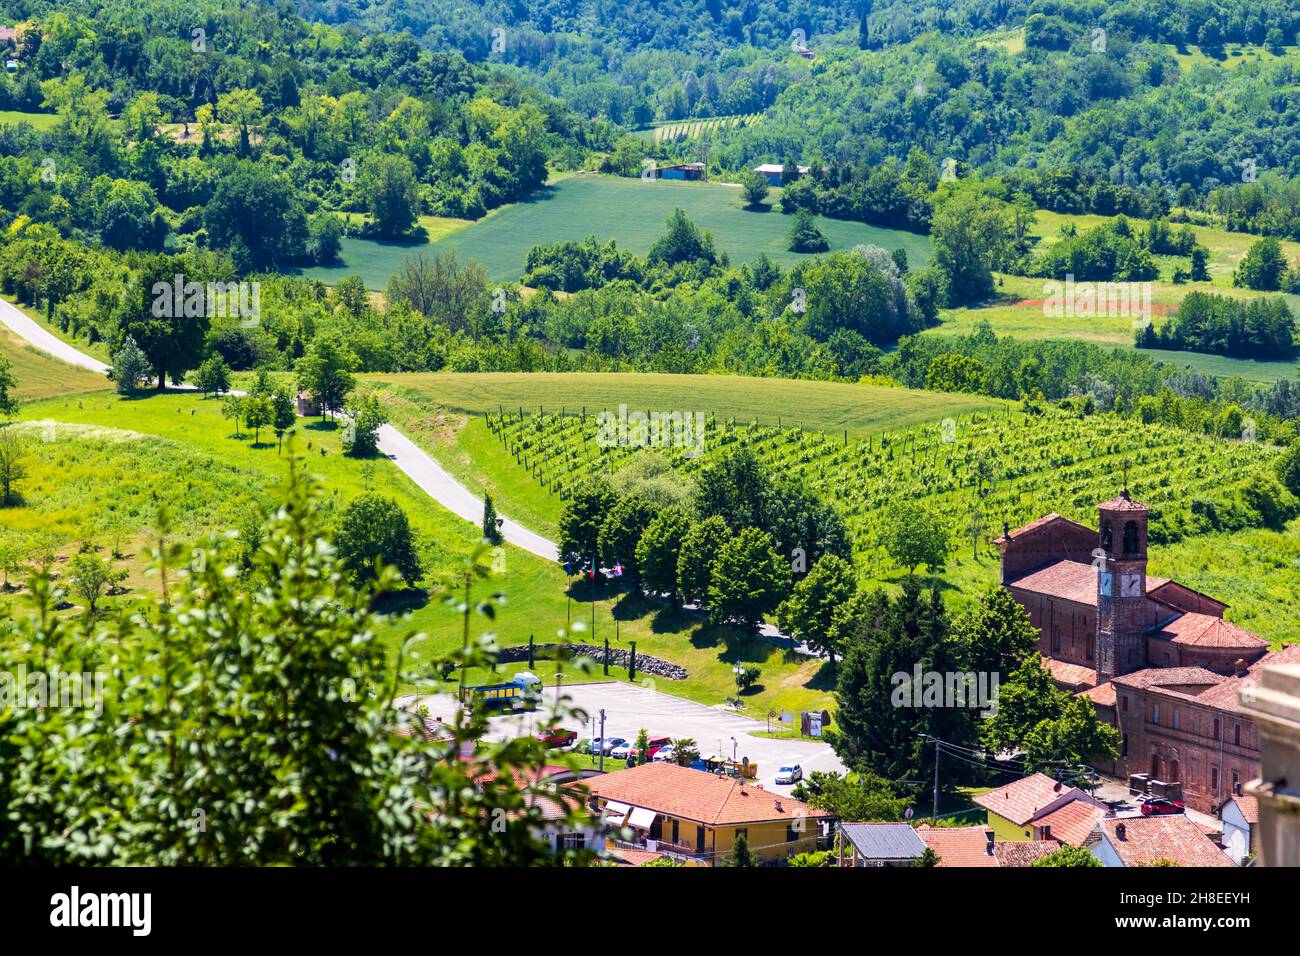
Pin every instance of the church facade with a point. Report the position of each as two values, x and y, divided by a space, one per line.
1155 657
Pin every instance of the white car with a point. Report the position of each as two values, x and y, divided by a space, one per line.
790 774
665 754
620 751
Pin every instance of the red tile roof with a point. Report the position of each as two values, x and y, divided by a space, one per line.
1206 630
1103 695
1070 675
958 846
1170 678
1021 800
1249 807
633 857
1023 852
1174 838
1072 823
1227 695
1042 522
1071 580
696 795
1123 503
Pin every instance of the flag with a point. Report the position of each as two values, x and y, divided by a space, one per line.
593 569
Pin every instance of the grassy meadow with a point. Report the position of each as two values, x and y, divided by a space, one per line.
40 376
630 211
101 465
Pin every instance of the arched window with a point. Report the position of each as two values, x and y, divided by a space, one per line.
1131 538
1107 537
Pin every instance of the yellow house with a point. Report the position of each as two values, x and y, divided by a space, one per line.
698 816
1017 811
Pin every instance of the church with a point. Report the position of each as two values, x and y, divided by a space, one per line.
1155 657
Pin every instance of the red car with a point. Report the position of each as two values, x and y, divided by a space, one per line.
557 737
1160 806
652 746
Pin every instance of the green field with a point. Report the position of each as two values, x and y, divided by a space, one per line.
40 376
630 211
41 121
102 465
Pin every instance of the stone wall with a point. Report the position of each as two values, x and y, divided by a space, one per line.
618 657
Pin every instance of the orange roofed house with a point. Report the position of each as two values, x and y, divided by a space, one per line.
697 816
1155 657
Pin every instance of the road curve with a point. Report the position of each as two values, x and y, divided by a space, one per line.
47 342
432 478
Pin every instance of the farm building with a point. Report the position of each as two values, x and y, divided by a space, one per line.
775 172
691 171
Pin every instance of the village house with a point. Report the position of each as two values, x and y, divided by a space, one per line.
1155 657
1240 818
877 845
979 847
1144 841
774 173
688 171
1037 807
697 817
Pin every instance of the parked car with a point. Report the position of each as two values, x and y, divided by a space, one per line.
1160 806
665 754
557 736
791 774
653 745
621 751
607 745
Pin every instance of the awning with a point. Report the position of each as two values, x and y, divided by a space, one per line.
615 812
642 818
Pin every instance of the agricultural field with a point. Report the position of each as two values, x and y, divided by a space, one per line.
447 414
40 376
100 467
674 131
630 211
40 121
980 470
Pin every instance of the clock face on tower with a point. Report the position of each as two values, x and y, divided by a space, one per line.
1130 585
1104 583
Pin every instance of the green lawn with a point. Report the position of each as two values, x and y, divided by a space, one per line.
112 461
40 376
41 121
628 210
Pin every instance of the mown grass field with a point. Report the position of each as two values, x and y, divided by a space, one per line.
630 211
110 462
41 121
40 376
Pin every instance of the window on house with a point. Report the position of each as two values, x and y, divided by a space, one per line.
1214 781
1236 782
1236 735
1216 728
1124 747
1155 713
572 841
1089 648
792 834
1176 719
1123 703
1056 638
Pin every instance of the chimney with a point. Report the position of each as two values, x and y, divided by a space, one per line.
1121 832
1240 669
778 807
988 845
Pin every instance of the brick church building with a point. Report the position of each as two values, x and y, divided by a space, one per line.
1155 657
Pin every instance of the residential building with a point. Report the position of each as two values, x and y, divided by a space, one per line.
1240 817
1155 657
698 816
1145 841
688 171
1024 809
978 847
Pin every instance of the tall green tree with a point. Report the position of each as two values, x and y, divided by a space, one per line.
808 614
749 580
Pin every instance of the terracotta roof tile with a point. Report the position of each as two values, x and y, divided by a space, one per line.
1103 695
1071 580
1023 852
1042 522
1123 503
1070 675
633 857
1021 800
1249 807
1174 838
1206 630
1072 823
1170 678
696 795
958 846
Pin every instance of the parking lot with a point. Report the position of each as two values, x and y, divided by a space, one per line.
628 709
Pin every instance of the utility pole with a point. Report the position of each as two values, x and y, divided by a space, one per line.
935 740
601 761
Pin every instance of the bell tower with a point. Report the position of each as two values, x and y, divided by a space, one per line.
1121 562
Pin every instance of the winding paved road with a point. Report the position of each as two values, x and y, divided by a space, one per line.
432 478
